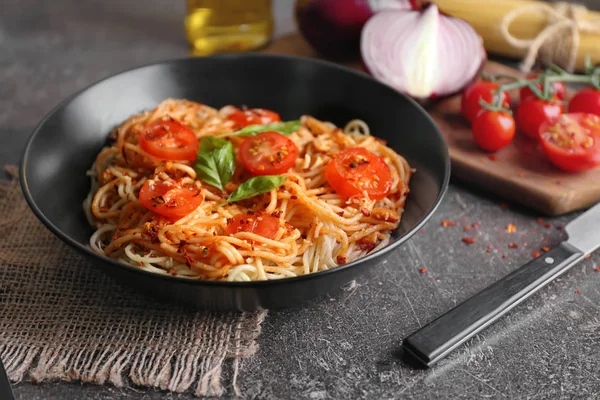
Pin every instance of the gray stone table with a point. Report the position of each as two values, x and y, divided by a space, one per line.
345 346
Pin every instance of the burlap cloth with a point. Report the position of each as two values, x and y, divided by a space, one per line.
61 319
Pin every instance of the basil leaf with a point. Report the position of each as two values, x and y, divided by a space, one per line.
215 161
285 128
255 186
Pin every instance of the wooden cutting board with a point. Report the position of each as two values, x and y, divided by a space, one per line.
519 173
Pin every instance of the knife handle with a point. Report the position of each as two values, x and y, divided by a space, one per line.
437 339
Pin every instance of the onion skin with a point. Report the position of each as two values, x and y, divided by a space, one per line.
333 27
424 54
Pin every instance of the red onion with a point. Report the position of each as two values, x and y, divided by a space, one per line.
424 54
333 27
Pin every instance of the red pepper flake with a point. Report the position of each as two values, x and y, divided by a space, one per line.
475 225
559 228
524 244
587 256
511 228
446 223
492 157
423 270
466 228
540 221
545 249
597 269
489 249
521 175
547 226
421 232
513 245
503 205
578 291
536 254
503 255
188 260
468 240
437 278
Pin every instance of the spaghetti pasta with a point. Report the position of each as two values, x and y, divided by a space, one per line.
315 228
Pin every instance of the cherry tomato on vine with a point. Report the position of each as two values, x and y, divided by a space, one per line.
493 130
533 112
586 101
253 116
572 143
481 90
557 89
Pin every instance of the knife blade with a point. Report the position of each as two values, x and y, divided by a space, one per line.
584 231
437 339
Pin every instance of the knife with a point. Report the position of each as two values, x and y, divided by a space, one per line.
436 340
5 390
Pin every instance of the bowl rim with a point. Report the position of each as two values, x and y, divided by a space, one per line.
86 250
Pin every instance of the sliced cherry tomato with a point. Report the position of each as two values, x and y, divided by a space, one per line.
357 170
533 112
253 116
586 101
493 130
572 142
261 224
557 89
268 153
481 90
169 140
170 201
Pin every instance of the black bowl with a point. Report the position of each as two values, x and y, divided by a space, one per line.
65 143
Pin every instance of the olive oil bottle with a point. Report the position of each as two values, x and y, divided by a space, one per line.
222 26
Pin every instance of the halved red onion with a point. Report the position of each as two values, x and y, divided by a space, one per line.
333 27
424 54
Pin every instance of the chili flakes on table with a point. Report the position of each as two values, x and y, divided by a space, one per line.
511 228
468 240
513 245
446 223
423 270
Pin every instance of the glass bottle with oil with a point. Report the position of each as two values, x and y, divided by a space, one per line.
221 26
